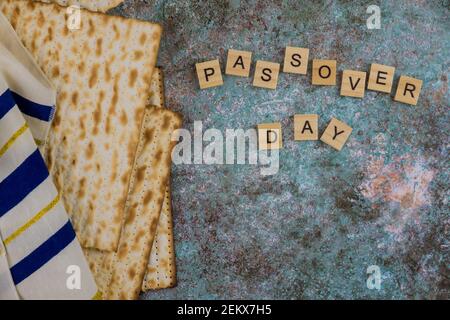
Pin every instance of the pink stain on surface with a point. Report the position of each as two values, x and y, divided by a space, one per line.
403 181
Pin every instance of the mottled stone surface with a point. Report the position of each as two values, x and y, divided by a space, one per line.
311 230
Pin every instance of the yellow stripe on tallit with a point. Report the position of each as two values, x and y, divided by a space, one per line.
13 138
32 221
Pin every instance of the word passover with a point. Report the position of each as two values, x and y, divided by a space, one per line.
323 73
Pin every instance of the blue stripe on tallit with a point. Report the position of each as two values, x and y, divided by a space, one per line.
33 109
6 103
43 254
23 180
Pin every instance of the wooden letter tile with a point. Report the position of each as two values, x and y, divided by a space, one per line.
266 74
209 74
296 60
380 78
270 136
336 134
238 63
324 72
408 90
306 127
353 83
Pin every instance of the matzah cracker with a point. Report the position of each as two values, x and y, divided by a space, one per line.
161 269
156 97
120 275
93 5
102 73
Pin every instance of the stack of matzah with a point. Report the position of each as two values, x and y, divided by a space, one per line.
108 153
161 270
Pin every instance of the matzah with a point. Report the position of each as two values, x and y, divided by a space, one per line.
156 96
161 269
120 275
102 73
93 5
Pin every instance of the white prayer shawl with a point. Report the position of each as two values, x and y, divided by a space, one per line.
40 257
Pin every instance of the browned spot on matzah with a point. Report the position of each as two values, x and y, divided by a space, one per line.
133 76
148 135
55 72
131 215
114 165
131 273
57 118
123 250
153 225
166 122
139 235
81 67
140 173
94 75
41 19
112 108
143 38
99 50
81 188
107 73
91 31
116 31
98 112
138 54
123 118
125 177
90 150
148 196
74 98
158 156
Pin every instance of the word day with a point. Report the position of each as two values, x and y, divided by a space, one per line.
253 146
324 72
305 129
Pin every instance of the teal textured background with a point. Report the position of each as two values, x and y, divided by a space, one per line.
311 231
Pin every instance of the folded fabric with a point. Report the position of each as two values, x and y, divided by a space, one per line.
39 242
7 288
40 257
25 79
